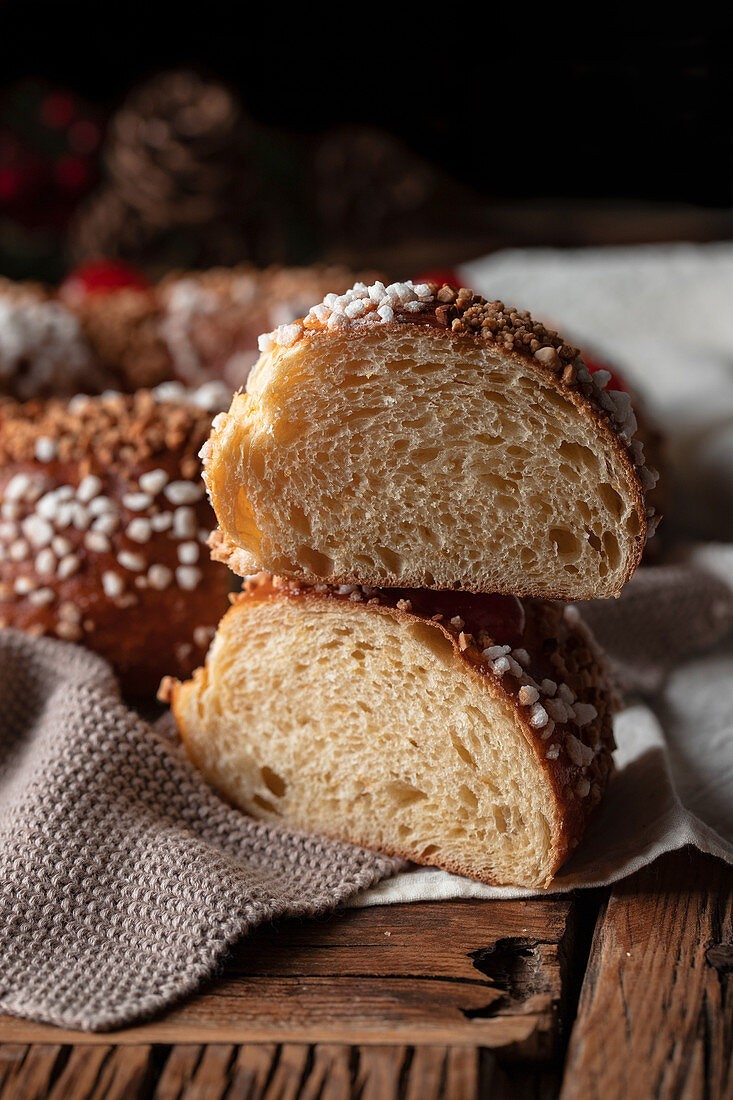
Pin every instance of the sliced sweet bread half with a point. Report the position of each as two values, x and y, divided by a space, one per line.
419 436
468 732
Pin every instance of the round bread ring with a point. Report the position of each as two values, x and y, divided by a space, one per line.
365 716
103 522
305 477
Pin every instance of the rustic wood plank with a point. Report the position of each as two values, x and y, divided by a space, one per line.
475 973
81 1074
32 1074
656 1009
252 1069
330 1077
379 1072
288 1073
124 1074
212 1076
12 1056
177 1071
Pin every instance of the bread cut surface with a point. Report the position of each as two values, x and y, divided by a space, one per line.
412 453
377 718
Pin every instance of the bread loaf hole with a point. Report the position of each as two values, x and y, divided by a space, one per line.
611 548
244 521
425 454
434 640
462 751
467 797
578 456
265 805
499 814
633 525
404 794
566 543
391 560
274 782
429 851
611 499
318 563
299 520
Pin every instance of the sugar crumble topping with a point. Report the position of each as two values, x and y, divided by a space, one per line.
461 311
108 513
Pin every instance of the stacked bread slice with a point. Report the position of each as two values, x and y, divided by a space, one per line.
417 475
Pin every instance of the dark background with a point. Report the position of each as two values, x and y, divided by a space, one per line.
515 108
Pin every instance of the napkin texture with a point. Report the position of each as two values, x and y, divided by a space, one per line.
123 877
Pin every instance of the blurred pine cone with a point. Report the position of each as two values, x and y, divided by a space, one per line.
368 187
183 184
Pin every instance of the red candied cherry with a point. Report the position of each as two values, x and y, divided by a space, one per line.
439 275
100 277
617 381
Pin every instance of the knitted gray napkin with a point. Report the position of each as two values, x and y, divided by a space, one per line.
123 878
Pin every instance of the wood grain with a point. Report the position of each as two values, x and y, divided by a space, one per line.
655 1016
492 974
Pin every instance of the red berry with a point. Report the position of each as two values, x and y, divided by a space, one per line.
439 275
100 277
617 382
57 110
73 173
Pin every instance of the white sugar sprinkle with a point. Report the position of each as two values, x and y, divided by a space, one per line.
38 531
101 505
106 523
97 542
584 713
184 523
41 597
183 492
528 695
112 584
153 481
46 561
580 754
68 566
128 560
61 546
538 716
137 502
159 576
161 521
188 553
19 550
139 530
202 635
46 449
188 577
17 487
89 487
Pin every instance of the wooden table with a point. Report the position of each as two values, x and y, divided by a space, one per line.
626 992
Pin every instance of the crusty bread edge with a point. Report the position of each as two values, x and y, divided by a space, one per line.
573 813
587 406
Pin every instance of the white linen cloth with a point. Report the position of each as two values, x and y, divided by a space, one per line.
664 316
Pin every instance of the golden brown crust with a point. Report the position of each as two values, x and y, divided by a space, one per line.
103 522
462 314
575 752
